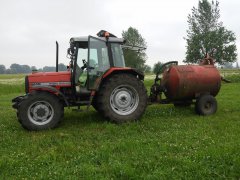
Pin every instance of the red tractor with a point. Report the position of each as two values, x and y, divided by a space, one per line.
96 76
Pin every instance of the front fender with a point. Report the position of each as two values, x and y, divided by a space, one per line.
51 89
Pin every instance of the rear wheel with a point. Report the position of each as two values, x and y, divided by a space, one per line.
206 105
122 98
39 111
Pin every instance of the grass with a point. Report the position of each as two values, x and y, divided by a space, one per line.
231 74
168 143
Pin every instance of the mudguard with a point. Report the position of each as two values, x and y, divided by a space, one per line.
133 71
52 89
17 100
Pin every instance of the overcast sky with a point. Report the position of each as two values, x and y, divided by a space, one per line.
29 28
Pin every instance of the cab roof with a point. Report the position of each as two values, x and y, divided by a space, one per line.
85 39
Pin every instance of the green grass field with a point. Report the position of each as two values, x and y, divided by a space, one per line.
167 143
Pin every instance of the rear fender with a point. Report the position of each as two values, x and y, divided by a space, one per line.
113 71
132 71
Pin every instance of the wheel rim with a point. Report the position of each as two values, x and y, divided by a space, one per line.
207 106
40 113
124 100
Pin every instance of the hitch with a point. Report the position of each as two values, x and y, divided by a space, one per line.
157 88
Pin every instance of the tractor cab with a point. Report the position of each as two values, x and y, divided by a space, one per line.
91 57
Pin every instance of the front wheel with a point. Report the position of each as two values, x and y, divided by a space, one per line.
122 98
39 111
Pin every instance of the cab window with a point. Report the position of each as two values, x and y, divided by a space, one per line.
118 58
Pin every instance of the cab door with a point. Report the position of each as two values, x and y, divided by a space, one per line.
98 61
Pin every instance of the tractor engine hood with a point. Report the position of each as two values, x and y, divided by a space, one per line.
56 79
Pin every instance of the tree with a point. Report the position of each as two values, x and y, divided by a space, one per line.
8 71
228 65
62 67
26 69
206 34
2 69
147 68
156 67
49 69
132 58
33 68
15 68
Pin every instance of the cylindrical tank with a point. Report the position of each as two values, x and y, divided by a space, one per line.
189 81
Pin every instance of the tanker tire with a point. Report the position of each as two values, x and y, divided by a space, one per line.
36 101
206 105
120 89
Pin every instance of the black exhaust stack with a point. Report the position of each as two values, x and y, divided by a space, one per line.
56 56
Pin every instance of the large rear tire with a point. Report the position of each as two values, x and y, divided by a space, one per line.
122 98
40 111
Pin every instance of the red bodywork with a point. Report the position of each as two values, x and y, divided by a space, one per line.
63 79
125 70
111 70
56 79
189 81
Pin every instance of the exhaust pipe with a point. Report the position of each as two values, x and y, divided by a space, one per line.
56 56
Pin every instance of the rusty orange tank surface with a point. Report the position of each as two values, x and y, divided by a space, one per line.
189 81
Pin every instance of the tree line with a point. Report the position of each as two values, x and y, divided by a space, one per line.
25 69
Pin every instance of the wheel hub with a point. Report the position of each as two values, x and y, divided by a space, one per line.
124 100
208 106
40 112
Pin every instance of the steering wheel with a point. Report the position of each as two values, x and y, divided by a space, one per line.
84 64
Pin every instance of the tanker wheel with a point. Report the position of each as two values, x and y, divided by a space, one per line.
122 98
206 105
39 111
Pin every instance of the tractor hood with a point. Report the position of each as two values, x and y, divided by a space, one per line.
56 79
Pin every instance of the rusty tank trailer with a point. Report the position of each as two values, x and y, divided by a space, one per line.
189 81
184 85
